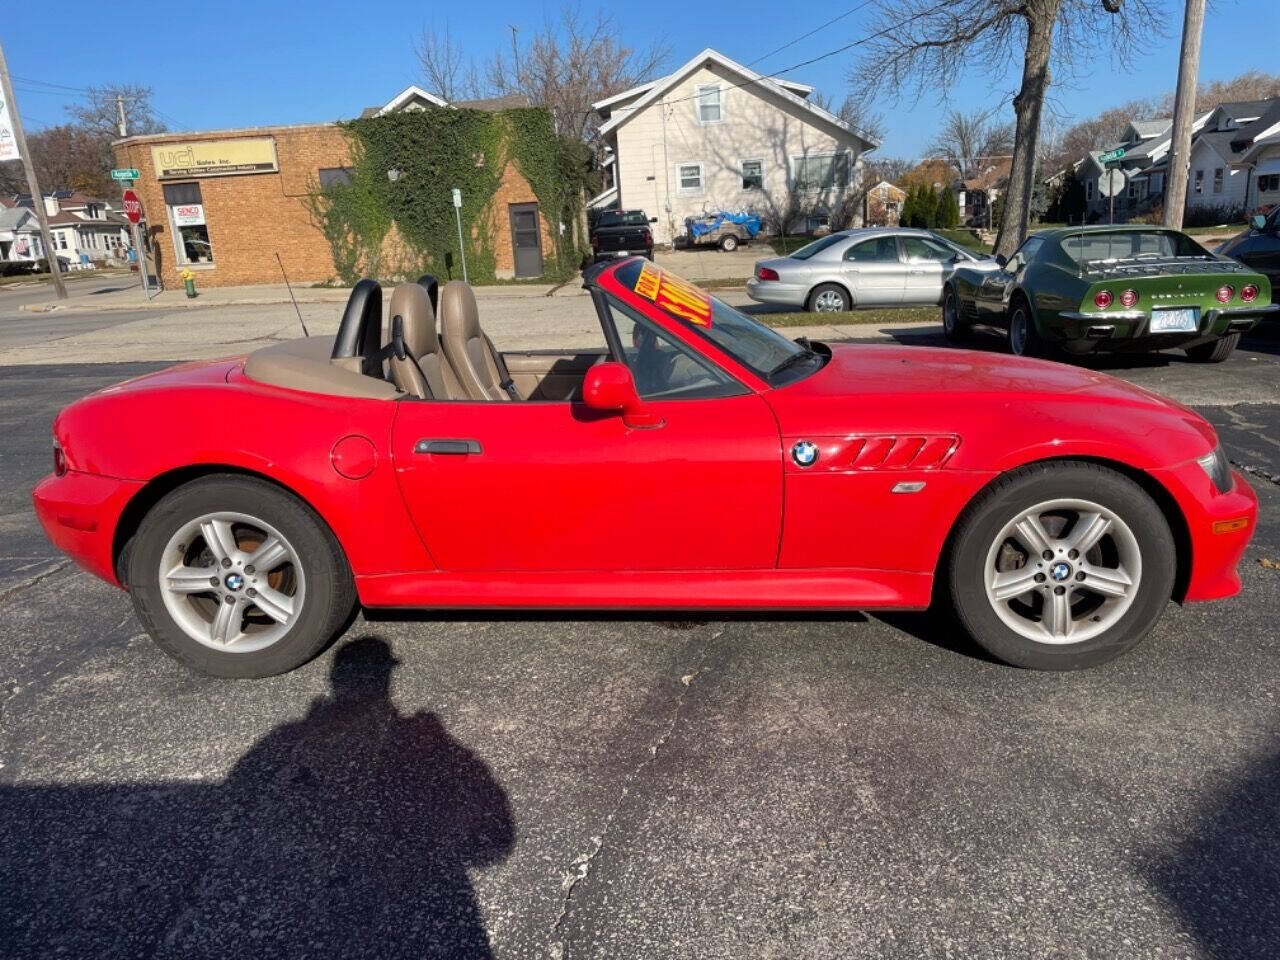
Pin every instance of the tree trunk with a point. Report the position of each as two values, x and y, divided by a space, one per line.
1027 107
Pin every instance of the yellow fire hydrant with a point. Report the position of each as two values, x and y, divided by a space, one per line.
189 281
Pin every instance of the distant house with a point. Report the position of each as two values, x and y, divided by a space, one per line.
884 205
977 195
84 230
716 135
19 234
1235 158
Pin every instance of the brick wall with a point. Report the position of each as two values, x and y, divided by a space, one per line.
251 217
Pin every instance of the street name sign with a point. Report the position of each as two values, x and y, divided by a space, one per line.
1111 156
129 174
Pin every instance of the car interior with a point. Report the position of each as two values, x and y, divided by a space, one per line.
433 348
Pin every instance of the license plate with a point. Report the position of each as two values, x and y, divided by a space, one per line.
624 253
1182 320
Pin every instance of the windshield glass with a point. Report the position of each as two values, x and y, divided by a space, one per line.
809 249
763 350
628 218
1130 244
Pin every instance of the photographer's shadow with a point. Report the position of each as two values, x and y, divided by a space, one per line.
347 833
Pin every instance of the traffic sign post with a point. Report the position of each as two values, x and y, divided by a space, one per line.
133 210
1111 182
457 213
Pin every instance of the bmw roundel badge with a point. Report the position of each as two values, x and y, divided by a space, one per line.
804 453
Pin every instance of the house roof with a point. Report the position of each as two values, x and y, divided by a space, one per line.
13 218
604 107
1242 109
886 186
512 101
1145 129
409 94
784 89
996 174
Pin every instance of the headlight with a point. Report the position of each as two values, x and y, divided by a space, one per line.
1219 470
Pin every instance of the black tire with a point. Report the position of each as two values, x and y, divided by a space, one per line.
1024 342
729 243
954 326
1215 351
648 254
330 591
983 521
832 290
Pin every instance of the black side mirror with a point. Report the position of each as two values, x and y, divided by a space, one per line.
1001 260
653 219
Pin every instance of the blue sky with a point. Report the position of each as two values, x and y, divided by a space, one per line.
235 63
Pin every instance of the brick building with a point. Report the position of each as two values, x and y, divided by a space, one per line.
224 203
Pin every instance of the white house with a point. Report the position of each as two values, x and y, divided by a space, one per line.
715 135
85 230
19 234
1235 159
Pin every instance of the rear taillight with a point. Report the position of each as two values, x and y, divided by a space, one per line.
1248 293
764 273
1102 299
1128 298
59 460
1224 294
648 239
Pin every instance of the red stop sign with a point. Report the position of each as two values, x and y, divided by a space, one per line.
132 206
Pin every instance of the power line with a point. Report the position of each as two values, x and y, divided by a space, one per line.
46 83
805 36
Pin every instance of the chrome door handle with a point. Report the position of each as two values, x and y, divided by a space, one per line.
458 448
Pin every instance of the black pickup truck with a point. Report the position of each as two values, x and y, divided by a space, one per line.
621 233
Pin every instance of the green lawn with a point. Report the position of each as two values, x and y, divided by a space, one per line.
882 317
965 238
785 245
1223 229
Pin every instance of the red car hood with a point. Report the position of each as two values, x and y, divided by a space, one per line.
892 388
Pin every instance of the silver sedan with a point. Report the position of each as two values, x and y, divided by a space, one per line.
866 267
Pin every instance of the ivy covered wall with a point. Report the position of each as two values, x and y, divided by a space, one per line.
396 229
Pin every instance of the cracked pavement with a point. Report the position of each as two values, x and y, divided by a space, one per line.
613 787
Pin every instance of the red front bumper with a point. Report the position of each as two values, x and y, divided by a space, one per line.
1215 553
80 513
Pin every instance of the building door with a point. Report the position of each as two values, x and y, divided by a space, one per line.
526 239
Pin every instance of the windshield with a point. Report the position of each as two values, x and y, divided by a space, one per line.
809 249
627 218
1152 244
759 348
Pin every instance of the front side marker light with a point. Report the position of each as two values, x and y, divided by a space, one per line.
1231 526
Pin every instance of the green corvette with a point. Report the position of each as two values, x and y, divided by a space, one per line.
1081 289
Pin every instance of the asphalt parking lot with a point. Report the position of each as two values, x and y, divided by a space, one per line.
638 787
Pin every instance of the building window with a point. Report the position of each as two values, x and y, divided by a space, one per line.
1132 192
1269 184
62 241
689 178
822 172
335 177
1157 183
1199 187
1217 180
752 174
710 109
1088 190
186 215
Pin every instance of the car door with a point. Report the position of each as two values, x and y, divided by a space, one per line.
994 290
553 486
926 261
874 272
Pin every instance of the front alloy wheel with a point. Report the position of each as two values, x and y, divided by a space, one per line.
1061 565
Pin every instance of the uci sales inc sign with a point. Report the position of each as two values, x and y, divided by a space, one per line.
215 158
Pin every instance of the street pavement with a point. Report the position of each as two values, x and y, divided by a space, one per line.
645 786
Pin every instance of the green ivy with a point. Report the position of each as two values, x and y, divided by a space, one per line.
434 152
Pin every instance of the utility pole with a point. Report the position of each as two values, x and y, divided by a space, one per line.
37 198
1184 107
139 253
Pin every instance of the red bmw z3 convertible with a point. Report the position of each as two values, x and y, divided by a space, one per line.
697 460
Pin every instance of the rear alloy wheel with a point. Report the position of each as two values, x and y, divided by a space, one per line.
1061 566
237 578
829 298
729 244
953 325
1024 339
1216 350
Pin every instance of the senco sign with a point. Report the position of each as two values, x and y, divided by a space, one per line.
188 215
215 158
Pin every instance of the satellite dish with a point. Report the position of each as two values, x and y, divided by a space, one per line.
1112 6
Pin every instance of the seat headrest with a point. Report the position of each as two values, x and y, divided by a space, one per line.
459 315
411 303
360 332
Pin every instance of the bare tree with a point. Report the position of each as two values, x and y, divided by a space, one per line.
969 142
446 69
100 116
856 112
921 46
891 169
570 63
1250 85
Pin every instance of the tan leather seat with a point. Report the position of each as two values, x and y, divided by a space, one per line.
423 372
470 353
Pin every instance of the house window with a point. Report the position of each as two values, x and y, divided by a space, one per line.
752 174
335 177
710 109
1157 183
689 178
1269 184
1088 190
822 172
62 241
1217 180
1199 187
1132 192
186 215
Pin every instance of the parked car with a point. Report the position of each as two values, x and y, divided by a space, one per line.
1258 247
865 267
621 233
699 461
1128 288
